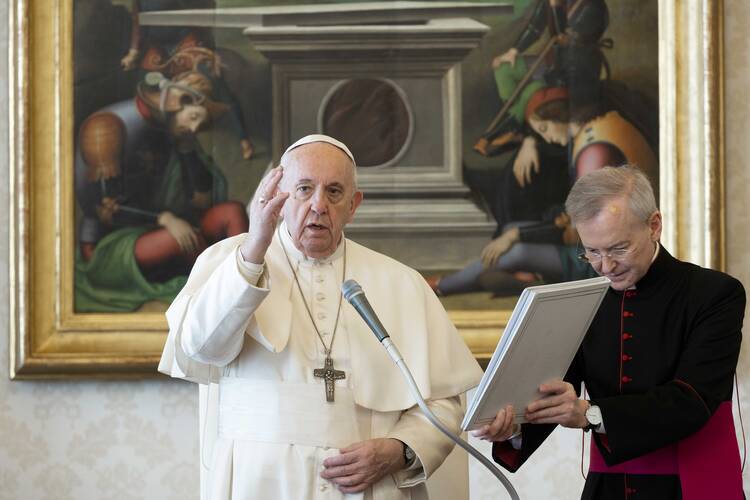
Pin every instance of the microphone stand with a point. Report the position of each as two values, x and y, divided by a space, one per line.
390 347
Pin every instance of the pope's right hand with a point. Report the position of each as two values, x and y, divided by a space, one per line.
265 209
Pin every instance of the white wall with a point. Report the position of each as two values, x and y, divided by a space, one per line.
138 440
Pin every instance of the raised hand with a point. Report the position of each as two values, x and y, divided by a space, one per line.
361 465
265 209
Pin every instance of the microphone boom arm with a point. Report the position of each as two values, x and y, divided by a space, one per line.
354 294
390 347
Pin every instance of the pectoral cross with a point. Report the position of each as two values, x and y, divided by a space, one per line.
328 374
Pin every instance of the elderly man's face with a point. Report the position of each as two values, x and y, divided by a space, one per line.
322 199
616 231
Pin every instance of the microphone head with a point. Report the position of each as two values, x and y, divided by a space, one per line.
349 289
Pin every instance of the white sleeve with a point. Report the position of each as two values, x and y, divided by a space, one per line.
249 270
219 312
430 445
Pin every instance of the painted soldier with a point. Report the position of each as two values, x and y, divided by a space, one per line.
151 198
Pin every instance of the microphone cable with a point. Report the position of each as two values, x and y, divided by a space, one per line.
390 347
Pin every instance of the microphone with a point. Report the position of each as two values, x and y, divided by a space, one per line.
354 294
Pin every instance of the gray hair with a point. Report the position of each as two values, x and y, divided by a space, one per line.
589 194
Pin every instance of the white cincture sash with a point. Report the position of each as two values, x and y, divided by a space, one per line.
285 412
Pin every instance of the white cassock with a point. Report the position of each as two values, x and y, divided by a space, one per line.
266 424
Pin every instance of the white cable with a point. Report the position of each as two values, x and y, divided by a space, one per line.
390 347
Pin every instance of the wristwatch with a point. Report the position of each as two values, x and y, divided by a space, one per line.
593 417
409 455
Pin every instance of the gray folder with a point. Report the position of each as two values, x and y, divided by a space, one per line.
539 343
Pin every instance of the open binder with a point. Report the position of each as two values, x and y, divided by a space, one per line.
539 343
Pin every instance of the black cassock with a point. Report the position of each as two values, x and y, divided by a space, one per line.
658 360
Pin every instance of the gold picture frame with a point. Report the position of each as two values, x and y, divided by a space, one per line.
49 340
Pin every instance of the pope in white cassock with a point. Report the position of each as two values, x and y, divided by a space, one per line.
301 401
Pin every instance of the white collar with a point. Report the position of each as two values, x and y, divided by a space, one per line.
295 254
656 252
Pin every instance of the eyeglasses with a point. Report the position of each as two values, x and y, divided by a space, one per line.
595 256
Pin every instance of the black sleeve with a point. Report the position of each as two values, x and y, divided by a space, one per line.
640 423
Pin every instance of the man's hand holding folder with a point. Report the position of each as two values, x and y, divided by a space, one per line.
558 405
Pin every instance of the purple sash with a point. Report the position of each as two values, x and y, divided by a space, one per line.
708 462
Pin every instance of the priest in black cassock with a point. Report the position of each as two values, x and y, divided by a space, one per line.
657 362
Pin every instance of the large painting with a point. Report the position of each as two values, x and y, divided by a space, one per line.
469 121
